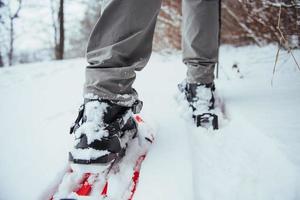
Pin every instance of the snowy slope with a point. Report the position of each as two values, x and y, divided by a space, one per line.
253 156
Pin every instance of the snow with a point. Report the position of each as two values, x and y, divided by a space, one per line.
254 155
86 154
94 111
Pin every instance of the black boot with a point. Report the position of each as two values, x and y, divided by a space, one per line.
202 101
102 131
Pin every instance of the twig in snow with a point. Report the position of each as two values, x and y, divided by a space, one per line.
282 38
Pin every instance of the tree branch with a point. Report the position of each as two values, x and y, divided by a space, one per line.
242 25
16 15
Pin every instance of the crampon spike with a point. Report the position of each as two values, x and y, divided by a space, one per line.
86 188
104 191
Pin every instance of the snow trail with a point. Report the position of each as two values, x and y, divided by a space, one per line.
239 162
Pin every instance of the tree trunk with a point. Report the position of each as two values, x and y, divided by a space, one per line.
1 61
59 49
11 43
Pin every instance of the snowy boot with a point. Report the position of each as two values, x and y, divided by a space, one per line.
202 101
102 131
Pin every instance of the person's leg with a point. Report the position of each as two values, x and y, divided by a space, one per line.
120 43
200 39
200 54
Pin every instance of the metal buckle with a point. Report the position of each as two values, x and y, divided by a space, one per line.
137 106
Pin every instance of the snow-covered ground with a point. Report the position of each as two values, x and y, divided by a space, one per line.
254 155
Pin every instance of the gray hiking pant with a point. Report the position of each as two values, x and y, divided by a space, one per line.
121 43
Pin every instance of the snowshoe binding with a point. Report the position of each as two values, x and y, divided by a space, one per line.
102 131
202 101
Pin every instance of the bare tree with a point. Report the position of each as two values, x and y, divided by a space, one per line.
1 22
8 16
12 17
243 22
247 22
58 23
1 61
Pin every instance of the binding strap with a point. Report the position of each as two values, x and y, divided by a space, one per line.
118 124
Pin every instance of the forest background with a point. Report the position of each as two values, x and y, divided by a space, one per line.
38 30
